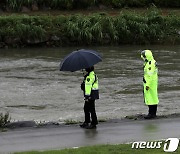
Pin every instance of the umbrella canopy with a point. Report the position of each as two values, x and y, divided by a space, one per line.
80 59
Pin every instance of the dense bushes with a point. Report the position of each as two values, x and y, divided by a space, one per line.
4 119
96 29
16 5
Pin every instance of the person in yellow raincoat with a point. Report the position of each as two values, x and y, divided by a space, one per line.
150 82
91 93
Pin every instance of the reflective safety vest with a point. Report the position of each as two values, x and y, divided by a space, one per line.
151 80
91 86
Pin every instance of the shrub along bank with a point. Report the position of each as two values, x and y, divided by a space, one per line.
95 29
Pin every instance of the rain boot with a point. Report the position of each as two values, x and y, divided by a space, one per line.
152 112
84 125
91 127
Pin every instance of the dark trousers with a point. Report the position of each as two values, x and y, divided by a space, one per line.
152 110
89 110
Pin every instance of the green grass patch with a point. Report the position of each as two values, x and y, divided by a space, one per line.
104 149
102 120
71 122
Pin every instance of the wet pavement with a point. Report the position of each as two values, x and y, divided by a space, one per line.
112 132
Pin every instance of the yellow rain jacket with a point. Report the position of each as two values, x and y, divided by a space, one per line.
150 79
91 86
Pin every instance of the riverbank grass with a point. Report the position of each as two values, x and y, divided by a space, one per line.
128 27
104 149
4 119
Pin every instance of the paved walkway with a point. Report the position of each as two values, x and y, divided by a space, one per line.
114 132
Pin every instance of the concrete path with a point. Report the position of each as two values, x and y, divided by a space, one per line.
113 132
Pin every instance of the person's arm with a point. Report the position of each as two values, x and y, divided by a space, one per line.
149 75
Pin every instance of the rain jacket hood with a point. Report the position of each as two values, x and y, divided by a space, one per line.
148 55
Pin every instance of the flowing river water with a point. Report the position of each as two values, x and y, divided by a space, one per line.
33 88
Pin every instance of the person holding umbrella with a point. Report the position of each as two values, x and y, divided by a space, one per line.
150 81
91 93
85 59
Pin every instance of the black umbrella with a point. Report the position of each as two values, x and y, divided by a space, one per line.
80 59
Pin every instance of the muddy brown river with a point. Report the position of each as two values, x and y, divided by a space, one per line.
33 88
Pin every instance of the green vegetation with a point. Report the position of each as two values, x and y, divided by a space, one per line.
96 29
17 5
4 119
102 120
71 122
104 149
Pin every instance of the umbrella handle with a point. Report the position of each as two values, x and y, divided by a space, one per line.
83 72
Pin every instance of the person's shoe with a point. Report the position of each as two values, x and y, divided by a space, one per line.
149 116
84 125
91 127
